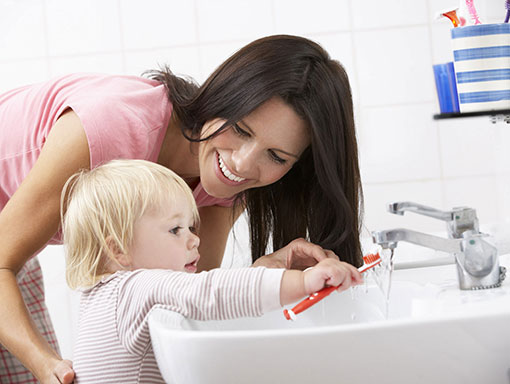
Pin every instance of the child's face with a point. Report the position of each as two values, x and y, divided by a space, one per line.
164 238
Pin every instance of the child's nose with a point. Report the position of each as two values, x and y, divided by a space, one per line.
193 241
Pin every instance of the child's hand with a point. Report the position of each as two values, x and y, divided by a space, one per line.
328 272
331 272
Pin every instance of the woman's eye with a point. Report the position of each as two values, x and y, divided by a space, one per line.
175 230
276 158
240 131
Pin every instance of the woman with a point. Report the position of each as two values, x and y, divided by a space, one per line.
271 130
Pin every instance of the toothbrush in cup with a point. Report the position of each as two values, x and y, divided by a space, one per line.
472 12
370 261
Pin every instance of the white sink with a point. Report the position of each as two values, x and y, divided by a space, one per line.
434 333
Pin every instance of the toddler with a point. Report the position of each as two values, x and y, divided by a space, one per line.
130 232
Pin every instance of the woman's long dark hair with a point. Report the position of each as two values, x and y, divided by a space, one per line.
320 198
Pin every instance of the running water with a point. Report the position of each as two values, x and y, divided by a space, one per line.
382 276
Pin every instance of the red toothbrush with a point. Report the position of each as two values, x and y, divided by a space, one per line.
370 261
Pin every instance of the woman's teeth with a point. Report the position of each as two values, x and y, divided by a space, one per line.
227 173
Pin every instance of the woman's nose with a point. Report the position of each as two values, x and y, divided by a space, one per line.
244 158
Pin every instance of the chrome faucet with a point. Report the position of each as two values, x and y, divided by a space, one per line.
477 260
458 220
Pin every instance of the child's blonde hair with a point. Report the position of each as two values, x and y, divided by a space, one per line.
102 205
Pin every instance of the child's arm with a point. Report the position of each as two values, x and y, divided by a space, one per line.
219 294
329 272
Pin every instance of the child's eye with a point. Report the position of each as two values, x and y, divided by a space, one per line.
175 230
239 131
193 230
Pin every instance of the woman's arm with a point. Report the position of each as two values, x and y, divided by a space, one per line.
27 223
215 225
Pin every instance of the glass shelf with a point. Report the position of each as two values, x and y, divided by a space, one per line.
501 115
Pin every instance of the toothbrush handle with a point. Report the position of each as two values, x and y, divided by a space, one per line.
312 299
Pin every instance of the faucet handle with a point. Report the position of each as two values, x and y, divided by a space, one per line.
458 220
464 220
478 263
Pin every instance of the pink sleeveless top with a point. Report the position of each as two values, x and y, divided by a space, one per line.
124 117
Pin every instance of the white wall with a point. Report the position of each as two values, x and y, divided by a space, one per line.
388 48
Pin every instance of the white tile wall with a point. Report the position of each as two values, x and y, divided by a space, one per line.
82 27
394 66
378 195
16 73
227 20
305 17
387 48
468 147
466 191
501 149
183 60
441 53
157 23
399 143
101 62
16 40
501 200
374 14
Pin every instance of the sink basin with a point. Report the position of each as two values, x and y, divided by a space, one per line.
431 332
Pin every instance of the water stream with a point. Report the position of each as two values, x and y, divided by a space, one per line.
382 276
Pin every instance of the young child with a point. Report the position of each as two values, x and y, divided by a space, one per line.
130 232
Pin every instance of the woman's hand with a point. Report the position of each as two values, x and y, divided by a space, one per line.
57 371
63 372
298 254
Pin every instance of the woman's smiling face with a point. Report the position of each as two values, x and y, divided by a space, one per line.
257 151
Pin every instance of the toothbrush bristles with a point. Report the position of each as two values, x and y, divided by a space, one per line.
370 258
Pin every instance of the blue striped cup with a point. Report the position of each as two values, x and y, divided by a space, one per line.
482 66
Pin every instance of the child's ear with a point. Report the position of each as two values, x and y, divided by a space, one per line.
117 254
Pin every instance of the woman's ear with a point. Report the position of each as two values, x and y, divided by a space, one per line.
116 253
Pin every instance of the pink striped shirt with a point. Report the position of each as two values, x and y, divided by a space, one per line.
113 344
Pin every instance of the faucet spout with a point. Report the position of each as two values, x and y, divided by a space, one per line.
458 220
390 238
399 208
